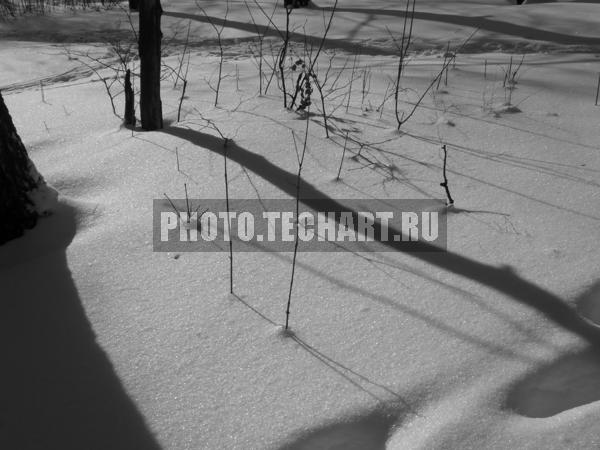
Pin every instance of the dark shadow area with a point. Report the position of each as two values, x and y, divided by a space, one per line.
482 22
58 389
503 279
569 382
496 26
363 432
588 304
52 28
269 31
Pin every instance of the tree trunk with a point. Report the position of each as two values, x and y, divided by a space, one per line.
18 178
149 48
295 3
134 5
129 101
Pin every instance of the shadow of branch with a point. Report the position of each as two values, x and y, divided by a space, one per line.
503 279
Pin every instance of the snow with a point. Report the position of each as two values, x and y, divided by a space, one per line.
491 345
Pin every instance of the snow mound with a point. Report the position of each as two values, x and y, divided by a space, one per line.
506 108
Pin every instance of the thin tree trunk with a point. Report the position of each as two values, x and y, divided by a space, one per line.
18 178
149 48
129 101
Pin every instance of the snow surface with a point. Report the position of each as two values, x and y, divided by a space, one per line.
492 345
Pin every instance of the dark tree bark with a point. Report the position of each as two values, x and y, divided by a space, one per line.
129 101
149 48
134 5
295 3
18 178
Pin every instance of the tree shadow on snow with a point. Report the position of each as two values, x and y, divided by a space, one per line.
362 432
483 23
58 389
503 279
502 28
269 31
569 382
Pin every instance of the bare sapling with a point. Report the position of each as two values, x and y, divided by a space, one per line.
260 33
277 58
180 74
510 79
403 47
342 159
182 58
365 86
407 28
389 92
228 221
219 31
188 219
506 72
444 184
187 202
447 55
597 90
511 73
327 87
185 82
175 210
121 60
351 81
300 157
183 76
272 66
208 123
406 117
96 65
42 91
322 97
332 87
308 75
283 53
181 99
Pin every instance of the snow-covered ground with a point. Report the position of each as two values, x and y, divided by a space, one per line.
491 345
